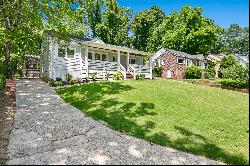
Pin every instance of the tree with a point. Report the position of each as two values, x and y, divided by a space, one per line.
143 26
115 24
235 40
23 21
93 13
188 31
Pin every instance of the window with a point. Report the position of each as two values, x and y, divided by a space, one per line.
114 58
180 61
70 53
104 57
61 52
97 56
164 62
131 61
90 55
196 63
188 62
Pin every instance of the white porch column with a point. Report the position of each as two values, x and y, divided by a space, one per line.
86 60
118 56
127 59
150 66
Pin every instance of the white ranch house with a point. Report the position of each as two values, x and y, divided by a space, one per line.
81 58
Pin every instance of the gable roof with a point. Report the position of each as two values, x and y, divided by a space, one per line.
163 51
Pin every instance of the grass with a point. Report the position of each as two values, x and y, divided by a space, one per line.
202 120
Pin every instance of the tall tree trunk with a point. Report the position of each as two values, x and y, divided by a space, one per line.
7 60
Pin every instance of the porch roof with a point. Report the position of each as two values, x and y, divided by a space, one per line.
102 45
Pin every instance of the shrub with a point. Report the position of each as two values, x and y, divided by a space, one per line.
193 72
72 82
237 83
107 76
68 77
157 71
18 73
140 76
236 71
79 80
58 83
58 79
51 82
2 82
117 75
94 76
210 71
226 62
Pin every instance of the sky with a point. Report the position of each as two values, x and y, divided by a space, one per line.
223 12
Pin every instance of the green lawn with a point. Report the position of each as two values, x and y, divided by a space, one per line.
202 120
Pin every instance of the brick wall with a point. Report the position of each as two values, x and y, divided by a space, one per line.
177 70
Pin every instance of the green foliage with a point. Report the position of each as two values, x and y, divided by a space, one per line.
58 79
236 71
193 72
140 76
94 76
235 40
2 82
72 82
23 22
115 24
188 31
210 71
117 76
68 77
237 83
58 83
107 75
227 61
157 71
79 80
144 25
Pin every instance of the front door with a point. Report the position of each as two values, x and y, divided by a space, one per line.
169 74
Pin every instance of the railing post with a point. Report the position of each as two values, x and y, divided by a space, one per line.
127 60
150 66
86 60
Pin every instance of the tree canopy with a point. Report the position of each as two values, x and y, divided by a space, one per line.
188 31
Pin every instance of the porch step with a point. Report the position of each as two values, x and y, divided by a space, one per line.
129 76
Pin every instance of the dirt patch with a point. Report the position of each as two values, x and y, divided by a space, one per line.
7 110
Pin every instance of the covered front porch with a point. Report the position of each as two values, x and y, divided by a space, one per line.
101 58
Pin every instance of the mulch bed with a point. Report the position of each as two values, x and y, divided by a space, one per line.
7 110
212 83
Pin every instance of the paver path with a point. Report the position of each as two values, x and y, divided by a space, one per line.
49 131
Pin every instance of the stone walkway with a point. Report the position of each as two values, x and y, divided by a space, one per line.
49 131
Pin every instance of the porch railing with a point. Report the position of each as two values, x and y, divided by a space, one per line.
131 70
141 68
102 65
122 70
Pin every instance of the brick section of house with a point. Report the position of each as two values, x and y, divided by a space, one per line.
171 68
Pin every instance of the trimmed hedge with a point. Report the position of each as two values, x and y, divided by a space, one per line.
237 83
193 72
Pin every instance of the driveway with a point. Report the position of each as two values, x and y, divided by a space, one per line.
49 131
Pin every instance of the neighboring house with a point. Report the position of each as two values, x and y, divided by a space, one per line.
174 62
243 59
82 57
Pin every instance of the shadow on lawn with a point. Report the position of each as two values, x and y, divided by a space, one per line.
90 98
196 144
